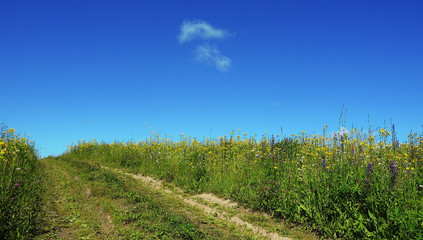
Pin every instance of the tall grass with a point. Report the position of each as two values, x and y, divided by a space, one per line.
20 189
346 185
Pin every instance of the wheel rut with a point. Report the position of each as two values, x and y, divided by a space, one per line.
210 204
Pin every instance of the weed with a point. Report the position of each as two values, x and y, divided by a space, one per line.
20 186
343 185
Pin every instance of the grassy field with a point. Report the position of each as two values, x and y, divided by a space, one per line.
71 198
85 201
20 186
350 185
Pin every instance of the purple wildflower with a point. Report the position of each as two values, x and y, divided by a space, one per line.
393 170
369 169
324 162
369 172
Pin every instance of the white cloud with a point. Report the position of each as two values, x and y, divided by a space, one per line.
199 29
208 54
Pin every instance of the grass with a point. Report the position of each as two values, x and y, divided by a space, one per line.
84 201
347 185
20 186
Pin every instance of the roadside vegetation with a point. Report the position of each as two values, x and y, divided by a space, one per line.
20 186
86 201
350 184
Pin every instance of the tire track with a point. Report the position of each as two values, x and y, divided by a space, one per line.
217 211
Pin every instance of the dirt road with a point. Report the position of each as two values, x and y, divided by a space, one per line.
88 201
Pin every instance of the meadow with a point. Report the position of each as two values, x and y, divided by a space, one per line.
351 184
20 186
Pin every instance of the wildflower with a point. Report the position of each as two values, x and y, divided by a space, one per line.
324 162
409 169
369 169
360 149
393 170
369 172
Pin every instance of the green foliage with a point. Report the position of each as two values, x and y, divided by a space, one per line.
148 214
342 186
20 186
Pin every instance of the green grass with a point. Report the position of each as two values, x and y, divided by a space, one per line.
20 186
344 186
88 202
348 186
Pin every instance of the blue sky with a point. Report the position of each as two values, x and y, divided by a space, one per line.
124 70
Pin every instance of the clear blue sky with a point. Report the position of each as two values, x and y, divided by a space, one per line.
122 70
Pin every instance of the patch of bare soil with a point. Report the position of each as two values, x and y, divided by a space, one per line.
209 208
208 197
